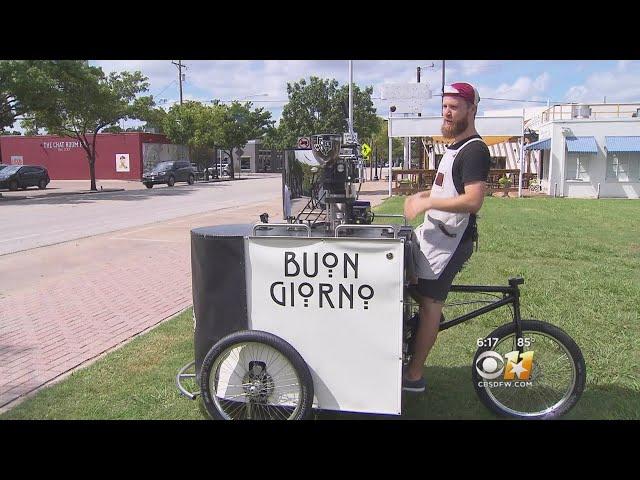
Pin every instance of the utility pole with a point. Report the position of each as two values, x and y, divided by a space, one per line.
421 155
442 97
180 67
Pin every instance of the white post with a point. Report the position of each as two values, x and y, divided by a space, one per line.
521 158
390 148
351 97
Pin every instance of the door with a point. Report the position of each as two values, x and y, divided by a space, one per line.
35 176
184 171
176 171
25 177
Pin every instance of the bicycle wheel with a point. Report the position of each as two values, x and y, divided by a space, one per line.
254 375
544 383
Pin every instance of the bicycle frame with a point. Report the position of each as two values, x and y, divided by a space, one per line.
510 295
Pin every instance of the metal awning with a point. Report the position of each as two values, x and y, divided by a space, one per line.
544 144
582 145
622 144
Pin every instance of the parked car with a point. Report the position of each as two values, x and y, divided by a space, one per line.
214 171
24 176
211 172
170 173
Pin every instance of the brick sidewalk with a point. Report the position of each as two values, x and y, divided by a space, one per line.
52 325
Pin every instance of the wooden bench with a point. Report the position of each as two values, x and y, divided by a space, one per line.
412 180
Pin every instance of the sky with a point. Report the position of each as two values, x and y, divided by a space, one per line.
264 82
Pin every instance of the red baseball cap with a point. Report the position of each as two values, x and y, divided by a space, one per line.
464 90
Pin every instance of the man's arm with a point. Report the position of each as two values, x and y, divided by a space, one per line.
469 202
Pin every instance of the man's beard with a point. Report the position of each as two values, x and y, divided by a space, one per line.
455 129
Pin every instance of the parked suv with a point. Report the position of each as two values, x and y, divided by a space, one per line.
24 176
170 173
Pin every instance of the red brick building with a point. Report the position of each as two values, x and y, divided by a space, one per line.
120 156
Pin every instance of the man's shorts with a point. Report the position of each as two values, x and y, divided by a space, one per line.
439 289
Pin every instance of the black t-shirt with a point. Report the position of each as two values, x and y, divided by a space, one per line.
470 165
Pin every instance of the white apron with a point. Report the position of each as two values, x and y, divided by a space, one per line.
441 232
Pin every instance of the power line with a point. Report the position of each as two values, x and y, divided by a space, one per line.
515 100
170 83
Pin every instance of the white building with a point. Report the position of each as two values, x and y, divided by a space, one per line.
588 151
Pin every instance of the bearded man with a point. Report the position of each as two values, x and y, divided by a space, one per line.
449 229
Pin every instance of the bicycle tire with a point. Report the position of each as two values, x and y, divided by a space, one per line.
260 397
564 345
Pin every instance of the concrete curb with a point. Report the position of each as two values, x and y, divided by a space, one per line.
61 194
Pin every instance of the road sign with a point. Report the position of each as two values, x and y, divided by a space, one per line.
304 142
348 138
366 150
405 97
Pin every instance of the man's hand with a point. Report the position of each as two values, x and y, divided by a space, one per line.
416 204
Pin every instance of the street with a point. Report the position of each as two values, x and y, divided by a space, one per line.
44 221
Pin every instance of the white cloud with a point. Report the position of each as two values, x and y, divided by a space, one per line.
524 88
577 93
623 64
477 67
615 86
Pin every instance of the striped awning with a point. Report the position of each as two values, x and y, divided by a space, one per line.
544 144
582 145
488 139
622 144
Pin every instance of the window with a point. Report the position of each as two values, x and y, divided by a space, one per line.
623 166
577 166
498 163
245 163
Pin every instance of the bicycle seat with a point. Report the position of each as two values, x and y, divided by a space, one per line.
513 281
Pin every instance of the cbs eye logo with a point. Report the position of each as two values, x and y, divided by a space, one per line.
490 365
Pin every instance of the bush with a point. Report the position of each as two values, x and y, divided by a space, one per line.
504 182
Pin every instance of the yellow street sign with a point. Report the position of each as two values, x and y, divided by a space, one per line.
366 150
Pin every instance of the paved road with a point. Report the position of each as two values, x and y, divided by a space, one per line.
46 221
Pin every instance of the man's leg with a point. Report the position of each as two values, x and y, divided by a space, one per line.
430 312
432 296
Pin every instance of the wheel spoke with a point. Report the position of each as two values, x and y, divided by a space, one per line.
273 393
553 376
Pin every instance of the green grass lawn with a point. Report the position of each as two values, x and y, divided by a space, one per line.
581 264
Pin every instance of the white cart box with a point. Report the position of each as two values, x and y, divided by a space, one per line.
338 302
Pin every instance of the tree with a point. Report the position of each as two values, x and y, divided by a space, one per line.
182 121
196 125
10 108
381 141
144 108
237 125
113 129
72 98
365 119
30 126
321 106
